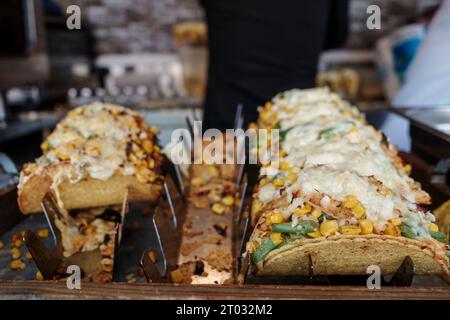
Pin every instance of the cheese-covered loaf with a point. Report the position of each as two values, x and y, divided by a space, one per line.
96 154
340 193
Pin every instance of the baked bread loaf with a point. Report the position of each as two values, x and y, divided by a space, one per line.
96 154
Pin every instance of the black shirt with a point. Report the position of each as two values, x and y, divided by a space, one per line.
258 48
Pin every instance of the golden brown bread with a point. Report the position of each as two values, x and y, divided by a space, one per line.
86 193
97 154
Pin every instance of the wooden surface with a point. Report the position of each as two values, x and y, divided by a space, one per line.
54 290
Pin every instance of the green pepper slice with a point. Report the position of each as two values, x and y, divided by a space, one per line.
263 250
304 227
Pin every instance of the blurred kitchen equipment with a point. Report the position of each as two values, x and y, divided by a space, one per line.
395 53
191 38
351 73
430 131
23 59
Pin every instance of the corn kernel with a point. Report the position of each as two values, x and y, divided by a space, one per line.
39 276
329 227
176 276
276 238
2 245
278 182
350 202
433 227
316 213
366 226
152 256
28 255
392 230
90 230
359 211
197 181
228 201
147 146
283 154
302 211
315 234
218 209
350 230
276 217
62 156
284 165
407 169
154 130
45 146
292 177
18 243
15 253
256 206
42 233
263 182
396 221
268 221
213 171
17 265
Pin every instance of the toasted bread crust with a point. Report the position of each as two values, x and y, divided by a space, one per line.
347 255
86 193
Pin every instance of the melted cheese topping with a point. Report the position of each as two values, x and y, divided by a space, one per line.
334 154
99 140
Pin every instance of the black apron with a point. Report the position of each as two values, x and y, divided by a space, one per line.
258 48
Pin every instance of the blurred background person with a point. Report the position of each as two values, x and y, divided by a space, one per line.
259 48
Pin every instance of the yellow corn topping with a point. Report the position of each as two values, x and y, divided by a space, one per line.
316 213
283 154
276 238
197 181
176 276
42 233
218 209
407 169
366 226
45 146
147 146
433 227
17 265
278 182
350 202
213 171
263 182
256 205
228 201
396 221
392 230
39 276
315 234
328 228
350 230
276 218
359 211
15 253
292 176
284 165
